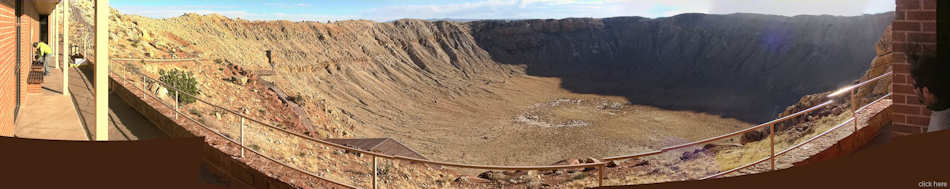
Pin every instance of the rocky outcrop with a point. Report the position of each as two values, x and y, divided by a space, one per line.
745 66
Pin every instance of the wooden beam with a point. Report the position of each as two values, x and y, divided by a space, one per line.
102 70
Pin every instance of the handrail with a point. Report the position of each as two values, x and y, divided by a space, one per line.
778 154
813 108
853 119
833 128
852 87
650 153
261 122
584 165
748 129
381 154
156 59
202 125
875 101
816 136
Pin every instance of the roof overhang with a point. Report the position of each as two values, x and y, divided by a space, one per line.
45 7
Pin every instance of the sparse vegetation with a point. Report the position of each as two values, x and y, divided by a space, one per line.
384 168
297 99
182 80
195 112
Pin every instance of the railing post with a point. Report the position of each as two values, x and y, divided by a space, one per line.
854 110
242 137
602 168
772 145
176 105
375 172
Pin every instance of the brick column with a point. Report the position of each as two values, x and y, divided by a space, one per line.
915 23
7 66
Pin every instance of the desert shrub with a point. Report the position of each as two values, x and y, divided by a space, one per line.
195 112
254 147
297 99
385 168
183 81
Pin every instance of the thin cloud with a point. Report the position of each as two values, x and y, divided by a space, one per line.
521 9
799 7
526 9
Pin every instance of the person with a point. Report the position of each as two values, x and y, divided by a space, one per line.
44 52
930 79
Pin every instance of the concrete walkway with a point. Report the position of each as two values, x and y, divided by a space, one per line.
50 115
124 122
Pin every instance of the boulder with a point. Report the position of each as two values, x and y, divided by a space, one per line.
492 175
470 179
568 162
239 79
641 163
565 162
688 155
591 160
161 92
614 163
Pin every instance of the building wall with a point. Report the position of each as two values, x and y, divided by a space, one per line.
915 22
29 33
7 65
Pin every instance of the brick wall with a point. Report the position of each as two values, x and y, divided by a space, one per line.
29 30
7 65
915 23
30 33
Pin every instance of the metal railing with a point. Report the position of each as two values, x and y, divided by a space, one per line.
157 59
600 166
374 155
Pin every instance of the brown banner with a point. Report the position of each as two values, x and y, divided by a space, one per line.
156 163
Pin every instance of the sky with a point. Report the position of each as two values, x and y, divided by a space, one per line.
387 10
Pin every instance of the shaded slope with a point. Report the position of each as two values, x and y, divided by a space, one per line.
746 66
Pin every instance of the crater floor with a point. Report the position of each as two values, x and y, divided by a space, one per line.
530 120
